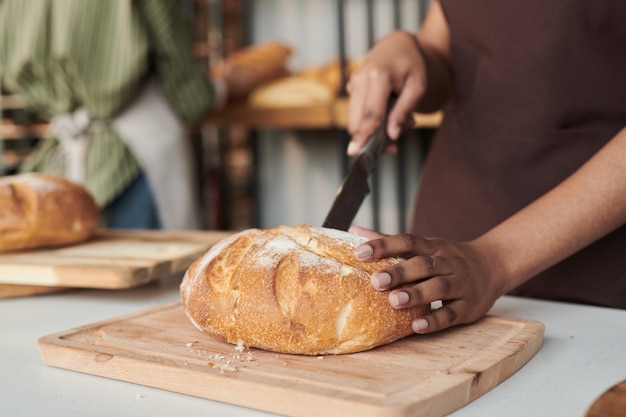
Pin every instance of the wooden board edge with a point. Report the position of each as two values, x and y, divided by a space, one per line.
110 277
17 290
475 381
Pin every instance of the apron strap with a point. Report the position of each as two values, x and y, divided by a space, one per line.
70 129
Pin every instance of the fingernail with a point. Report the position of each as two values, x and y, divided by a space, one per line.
419 325
394 131
398 299
353 148
380 280
363 252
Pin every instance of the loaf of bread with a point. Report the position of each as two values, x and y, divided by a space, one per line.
38 210
265 58
330 74
292 91
308 87
256 64
293 290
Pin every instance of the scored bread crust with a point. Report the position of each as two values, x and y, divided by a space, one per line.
38 210
292 290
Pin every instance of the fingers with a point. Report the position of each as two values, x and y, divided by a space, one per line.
447 316
405 245
413 270
369 93
427 292
366 233
400 117
368 106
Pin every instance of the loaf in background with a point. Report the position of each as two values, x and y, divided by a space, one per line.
40 210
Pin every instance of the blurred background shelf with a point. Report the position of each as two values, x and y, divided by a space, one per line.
20 131
263 166
321 116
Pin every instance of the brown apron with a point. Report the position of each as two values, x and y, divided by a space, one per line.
541 86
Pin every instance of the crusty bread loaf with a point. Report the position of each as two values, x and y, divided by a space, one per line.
267 58
292 91
330 74
38 210
292 290
308 87
258 64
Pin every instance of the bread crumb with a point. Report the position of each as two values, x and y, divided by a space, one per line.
223 367
320 357
240 346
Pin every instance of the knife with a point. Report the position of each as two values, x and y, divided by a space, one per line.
354 187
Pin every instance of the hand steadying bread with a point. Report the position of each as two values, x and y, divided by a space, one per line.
292 290
38 210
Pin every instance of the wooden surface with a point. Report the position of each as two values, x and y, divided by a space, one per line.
416 376
322 116
611 403
14 291
113 259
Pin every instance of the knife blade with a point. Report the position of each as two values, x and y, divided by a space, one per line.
355 187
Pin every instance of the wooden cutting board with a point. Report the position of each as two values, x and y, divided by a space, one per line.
417 376
14 291
113 259
612 402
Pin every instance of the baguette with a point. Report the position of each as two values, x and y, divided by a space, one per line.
296 290
38 210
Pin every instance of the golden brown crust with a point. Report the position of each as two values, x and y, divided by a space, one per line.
292 91
261 63
292 290
38 210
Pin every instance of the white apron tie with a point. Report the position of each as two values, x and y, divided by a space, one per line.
70 130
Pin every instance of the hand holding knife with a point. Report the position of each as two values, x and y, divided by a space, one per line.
355 186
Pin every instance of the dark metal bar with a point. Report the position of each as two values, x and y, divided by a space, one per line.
397 14
400 162
401 183
344 137
375 175
371 34
341 29
422 7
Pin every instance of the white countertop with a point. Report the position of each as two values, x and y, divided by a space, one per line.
583 354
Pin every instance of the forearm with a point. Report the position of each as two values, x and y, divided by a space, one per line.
585 207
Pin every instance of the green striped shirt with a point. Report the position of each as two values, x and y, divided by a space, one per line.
61 55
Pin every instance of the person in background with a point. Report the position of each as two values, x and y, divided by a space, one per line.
524 188
118 82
